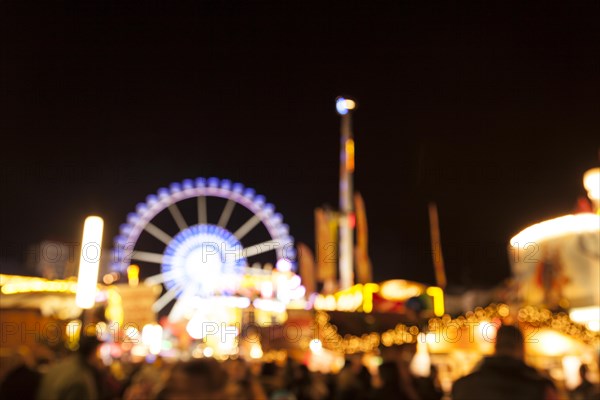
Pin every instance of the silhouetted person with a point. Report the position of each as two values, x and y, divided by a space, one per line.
586 390
390 387
505 376
75 377
429 387
348 382
23 381
198 379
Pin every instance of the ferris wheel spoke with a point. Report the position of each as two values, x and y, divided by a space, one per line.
162 277
226 214
247 227
179 308
260 248
146 256
202 213
176 214
165 298
158 233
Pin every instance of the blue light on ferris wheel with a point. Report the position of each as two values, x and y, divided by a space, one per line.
163 193
188 184
268 209
151 200
276 219
132 218
226 184
121 239
141 209
237 188
175 187
200 182
213 182
259 200
249 193
289 252
125 229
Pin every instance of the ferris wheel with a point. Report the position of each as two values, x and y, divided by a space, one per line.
189 232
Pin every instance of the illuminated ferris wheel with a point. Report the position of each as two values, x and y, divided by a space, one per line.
194 239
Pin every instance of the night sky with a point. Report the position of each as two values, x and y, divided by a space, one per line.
491 110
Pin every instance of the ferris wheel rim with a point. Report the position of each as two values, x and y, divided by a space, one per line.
165 198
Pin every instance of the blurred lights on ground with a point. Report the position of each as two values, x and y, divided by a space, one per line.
442 333
256 351
139 350
152 337
548 342
571 366
208 352
316 346
195 327
421 363
132 335
283 265
89 262
589 316
110 278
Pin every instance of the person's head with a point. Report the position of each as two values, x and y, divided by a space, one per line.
88 345
510 342
583 370
388 372
198 379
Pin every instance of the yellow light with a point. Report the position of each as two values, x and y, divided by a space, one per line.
550 343
591 182
438 300
73 330
589 316
133 275
89 262
400 289
350 104
421 362
114 309
571 366
368 290
316 346
350 154
256 351
22 284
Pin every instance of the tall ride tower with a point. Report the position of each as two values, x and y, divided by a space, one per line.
347 218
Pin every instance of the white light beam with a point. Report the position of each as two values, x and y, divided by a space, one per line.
176 214
158 233
226 214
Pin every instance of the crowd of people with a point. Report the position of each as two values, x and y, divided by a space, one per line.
80 376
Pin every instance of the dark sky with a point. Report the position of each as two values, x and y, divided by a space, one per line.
491 110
